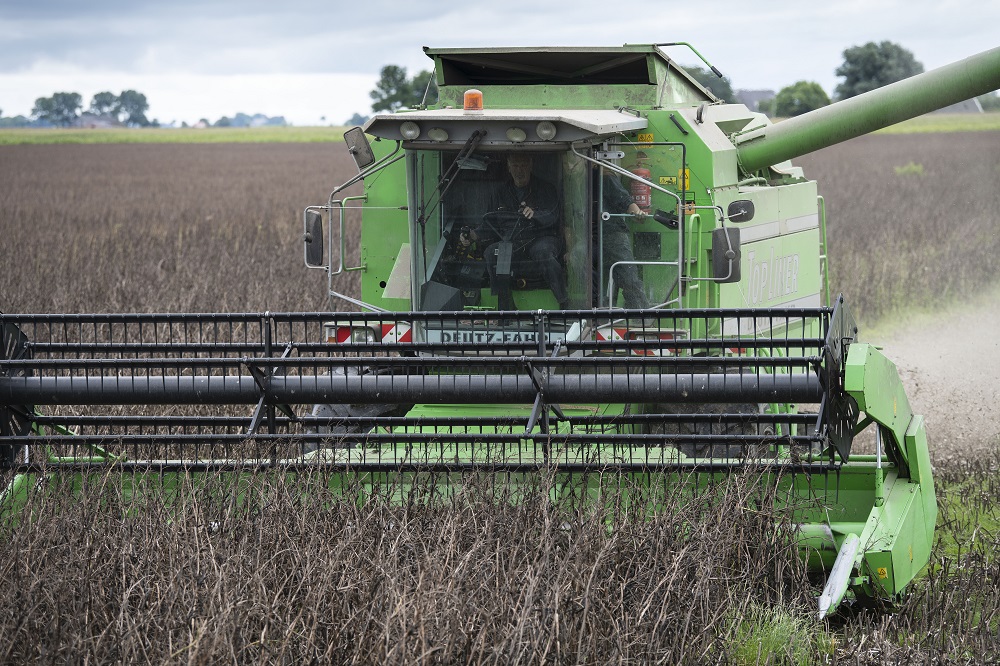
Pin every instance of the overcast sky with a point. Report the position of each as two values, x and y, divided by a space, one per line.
307 59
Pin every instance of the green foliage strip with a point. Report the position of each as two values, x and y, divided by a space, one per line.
275 134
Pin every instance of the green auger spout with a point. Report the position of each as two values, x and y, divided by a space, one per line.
912 97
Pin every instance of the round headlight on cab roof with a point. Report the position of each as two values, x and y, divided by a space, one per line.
545 130
410 130
438 134
516 134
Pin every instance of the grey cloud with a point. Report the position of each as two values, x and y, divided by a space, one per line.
228 37
316 36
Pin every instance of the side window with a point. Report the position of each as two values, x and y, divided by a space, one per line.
634 270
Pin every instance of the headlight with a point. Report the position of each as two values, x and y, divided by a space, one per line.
545 130
516 134
438 134
410 130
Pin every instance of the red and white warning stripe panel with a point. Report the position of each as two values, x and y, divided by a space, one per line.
368 332
655 338
397 332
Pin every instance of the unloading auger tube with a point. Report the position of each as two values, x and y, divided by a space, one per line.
976 75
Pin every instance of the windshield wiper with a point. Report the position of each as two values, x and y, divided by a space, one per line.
448 178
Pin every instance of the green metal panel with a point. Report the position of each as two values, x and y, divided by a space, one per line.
551 96
881 537
384 231
873 381
900 529
14 497
780 247
919 458
777 271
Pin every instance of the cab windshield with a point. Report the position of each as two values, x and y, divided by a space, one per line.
520 230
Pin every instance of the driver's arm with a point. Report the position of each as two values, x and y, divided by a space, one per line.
544 211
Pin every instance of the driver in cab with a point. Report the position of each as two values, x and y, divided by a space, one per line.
525 221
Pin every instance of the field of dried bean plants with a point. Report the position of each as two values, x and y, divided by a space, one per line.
307 577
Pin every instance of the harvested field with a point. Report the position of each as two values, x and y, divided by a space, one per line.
912 218
310 578
147 228
143 228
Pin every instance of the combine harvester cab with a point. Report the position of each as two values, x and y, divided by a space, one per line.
577 263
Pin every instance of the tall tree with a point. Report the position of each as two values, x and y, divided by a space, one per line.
799 98
104 104
872 66
395 91
132 107
60 109
721 88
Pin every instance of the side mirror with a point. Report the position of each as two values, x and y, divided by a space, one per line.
313 239
740 211
359 148
726 255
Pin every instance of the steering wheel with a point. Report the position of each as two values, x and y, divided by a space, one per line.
504 223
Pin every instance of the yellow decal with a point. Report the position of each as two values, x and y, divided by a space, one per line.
668 180
911 552
883 572
645 138
686 175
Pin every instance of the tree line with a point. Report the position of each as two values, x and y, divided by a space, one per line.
128 109
864 68
62 109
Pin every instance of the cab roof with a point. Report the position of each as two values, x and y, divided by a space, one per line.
631 64
570 125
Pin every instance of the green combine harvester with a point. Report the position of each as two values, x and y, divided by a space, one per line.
577 263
